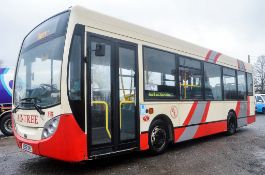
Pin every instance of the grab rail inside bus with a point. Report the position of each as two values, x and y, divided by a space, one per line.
122 103
104 103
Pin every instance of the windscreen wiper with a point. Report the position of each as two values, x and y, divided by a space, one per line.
29 101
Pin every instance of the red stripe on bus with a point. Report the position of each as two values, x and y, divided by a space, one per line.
203 120
144 141
211 128
248 106
217 57
208 55
237 108
179 131
192 110
205 113
251 119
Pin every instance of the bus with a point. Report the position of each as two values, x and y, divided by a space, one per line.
89 86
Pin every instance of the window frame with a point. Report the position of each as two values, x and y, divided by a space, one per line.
202 63
236 82
252 92
176 74
246 91
221 81
187 67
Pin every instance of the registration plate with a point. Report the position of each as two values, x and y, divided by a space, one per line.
27 147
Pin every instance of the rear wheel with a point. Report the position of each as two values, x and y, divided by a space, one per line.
158 137
231 124
6 125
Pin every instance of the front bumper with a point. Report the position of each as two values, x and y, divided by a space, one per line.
68 143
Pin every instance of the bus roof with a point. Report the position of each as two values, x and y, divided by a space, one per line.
116 26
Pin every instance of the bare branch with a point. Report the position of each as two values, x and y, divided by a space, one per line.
259 74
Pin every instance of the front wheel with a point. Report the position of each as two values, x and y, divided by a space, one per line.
6 125
231 124
158 137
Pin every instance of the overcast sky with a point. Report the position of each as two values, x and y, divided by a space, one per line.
232 27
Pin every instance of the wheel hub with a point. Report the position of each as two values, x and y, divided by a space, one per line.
158 137
8 125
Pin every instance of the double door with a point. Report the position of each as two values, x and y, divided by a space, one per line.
112 98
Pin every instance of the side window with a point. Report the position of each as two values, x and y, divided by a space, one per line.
74 79
241 85
159 74
249 84
190 78
229 79
259 99
212 82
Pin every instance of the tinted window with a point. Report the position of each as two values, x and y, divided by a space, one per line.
159 74
229 79
259 99
249 84
186 62
190 79
212 82
241 85
74 81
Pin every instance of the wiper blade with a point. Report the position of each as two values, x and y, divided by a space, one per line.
29 101
16 108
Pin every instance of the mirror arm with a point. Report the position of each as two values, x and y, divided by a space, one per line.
86 58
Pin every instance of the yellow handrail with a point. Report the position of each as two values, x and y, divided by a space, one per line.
106 115
122 103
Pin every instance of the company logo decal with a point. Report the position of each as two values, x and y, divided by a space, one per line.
173 112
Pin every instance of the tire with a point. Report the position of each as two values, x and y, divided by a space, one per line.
231 124
6 125
158 137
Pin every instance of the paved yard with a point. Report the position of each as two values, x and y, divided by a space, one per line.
242 153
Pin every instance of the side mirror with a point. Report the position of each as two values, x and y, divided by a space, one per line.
260 101
100 50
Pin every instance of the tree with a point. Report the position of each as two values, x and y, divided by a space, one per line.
259 74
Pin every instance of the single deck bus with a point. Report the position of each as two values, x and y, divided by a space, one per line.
88 85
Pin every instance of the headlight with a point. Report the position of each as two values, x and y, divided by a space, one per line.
50 127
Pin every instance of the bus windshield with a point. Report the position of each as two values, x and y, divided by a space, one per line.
39 66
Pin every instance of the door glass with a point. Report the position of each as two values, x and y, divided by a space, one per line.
127 93
101 95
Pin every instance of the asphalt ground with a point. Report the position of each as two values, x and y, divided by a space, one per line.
242 153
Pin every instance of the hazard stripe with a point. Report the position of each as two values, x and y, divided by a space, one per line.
201 130
241 113
197 113
179 132
205 114
212 56
192 110
248 106
208 55
217 57
237 108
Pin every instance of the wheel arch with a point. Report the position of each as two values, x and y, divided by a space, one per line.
5 113
168 122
